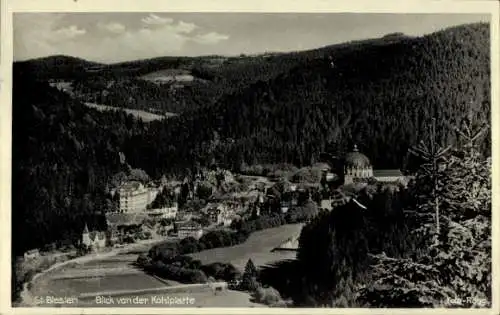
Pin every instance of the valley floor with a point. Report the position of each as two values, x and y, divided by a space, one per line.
115 275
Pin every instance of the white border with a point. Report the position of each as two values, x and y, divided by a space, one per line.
365 6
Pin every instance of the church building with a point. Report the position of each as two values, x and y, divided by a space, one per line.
357 167
95 239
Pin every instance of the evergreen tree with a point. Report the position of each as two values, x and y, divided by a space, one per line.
431 172
459 266
250 277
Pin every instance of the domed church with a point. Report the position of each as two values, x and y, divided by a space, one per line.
357 167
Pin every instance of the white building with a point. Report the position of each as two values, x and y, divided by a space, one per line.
388 176
357 166
94 239
189 229
221 214
326 204
166 212
134 197
32 254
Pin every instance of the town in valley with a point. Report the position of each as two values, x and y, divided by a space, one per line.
208 160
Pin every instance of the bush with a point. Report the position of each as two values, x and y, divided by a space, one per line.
29 275
260 223
250 284
214 270
195 264
307 175
188 245
269 296
231 273
215 239
50 247
221 271
197 276
110 243
129 239
164 251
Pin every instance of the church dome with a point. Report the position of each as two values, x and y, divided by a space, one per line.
355 159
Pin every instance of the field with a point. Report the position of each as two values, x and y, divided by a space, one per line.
110 283
258 247
105 274
145 116
169 75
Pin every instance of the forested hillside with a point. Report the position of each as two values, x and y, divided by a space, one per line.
63 157
214 76
54 67
380 96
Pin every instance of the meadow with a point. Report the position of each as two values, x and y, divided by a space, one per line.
258 247
145 116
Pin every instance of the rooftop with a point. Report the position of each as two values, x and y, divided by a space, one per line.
389 172
117 219
356 159
130 186
188 225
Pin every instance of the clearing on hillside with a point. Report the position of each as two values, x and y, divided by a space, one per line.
145 116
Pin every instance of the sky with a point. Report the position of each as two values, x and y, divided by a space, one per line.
117 37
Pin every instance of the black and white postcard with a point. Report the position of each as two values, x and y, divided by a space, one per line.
266 157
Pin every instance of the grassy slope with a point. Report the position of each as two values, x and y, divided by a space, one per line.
145 116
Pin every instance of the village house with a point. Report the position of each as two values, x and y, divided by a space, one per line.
285 206
32 254
189 229
184 216
220 215
165 212
326 203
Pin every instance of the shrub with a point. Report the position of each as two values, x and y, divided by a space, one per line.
195 264
307 174
250 284
129 239
214 270
188 245
29 275
221 271
231 273
198 276
269 296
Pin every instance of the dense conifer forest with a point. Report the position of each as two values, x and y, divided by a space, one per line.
380 94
